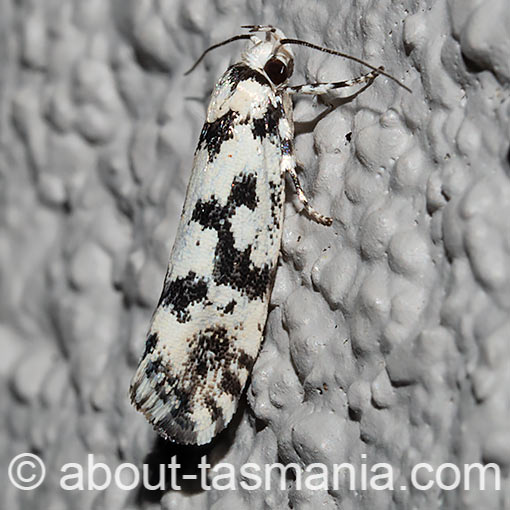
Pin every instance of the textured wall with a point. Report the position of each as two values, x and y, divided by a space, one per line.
389 332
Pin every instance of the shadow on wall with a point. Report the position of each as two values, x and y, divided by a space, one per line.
187 457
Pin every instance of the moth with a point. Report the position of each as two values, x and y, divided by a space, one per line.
208 326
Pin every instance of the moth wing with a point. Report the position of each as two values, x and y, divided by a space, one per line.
207 328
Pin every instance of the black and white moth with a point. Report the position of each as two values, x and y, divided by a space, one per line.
208 326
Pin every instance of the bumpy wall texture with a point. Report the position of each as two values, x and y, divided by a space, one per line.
388 333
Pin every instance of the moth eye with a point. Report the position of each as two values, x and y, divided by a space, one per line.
277 71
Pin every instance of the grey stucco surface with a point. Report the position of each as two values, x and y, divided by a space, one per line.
389 333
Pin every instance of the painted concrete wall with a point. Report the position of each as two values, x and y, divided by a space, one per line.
389 334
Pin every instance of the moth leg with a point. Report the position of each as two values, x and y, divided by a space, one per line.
321 88
289 166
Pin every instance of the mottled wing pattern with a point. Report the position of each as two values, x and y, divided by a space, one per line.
207 329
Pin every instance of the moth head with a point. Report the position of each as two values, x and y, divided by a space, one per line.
267 55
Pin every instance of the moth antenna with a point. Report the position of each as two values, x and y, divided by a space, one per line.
213 47
345 55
